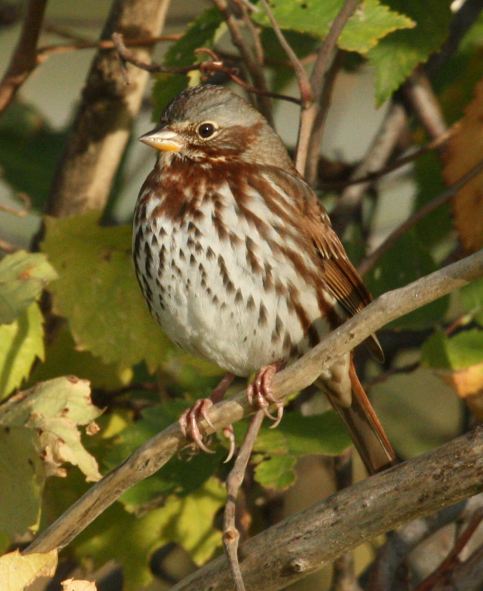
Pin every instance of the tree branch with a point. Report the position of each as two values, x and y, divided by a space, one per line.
249 56
156 452
24 58
368 263
231 535
303 543
376 157
310 115
103 122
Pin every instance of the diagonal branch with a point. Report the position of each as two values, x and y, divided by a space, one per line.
156 452
310 118
305 542
24 58
368 263
249 56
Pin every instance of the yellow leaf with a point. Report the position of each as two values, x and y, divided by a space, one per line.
77 585
468 385
465 150
18 571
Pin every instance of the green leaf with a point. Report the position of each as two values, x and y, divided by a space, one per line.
29 151
278 449
368 24
98 294
276 472
200 33
180 476
458 352
396 56
300 435
166 87
22 277
62 358
407 261
472 299
193 526
21 480
54 410
188 522
21 342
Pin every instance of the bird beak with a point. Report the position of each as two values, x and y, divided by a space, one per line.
163 139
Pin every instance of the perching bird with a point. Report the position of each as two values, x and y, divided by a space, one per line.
238 261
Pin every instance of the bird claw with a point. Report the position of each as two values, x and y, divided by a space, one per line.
260 394
188 423
230 435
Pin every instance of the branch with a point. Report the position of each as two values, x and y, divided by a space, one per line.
305 542
210 67
231 535
254 67
399 163
425 105
383 572
450 562
104 119
157 451
24 58
310 116
45 52
368 263
375 158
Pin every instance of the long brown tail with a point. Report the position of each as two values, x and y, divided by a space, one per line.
365 428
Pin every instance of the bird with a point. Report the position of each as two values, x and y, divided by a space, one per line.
238 262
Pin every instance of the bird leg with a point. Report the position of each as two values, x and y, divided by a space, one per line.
190 418
260 393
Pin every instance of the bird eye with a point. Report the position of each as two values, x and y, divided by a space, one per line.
206 130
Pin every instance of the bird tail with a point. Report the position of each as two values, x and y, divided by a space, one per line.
364 426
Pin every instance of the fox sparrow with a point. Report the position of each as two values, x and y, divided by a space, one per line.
238 261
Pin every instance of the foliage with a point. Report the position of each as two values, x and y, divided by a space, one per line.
87 376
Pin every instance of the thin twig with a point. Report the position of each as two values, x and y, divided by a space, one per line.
313 153
47 50
369 262
399 163
322 64
308 112
156 452
452 559
383 573
301 75
231 535
19 213
255 69
7 246
24 58
376 157
425 105
327 51
214 65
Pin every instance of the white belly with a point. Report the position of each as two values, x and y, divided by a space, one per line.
207 290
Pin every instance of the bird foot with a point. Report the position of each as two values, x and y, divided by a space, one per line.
260 393
189 420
